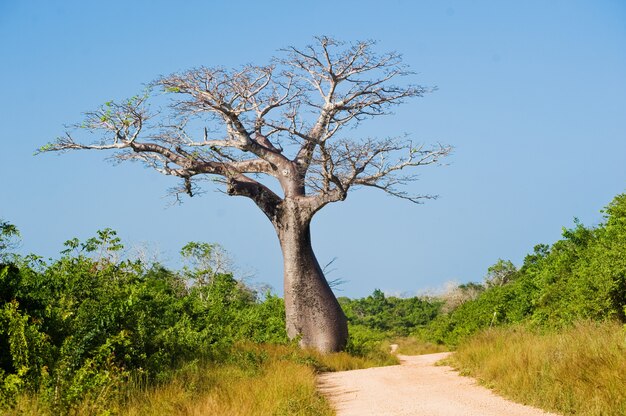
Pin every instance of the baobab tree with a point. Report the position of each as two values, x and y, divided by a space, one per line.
290 120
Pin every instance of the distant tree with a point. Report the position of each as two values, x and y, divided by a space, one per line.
292 121
9 237
205 261
455 295
398 315
540 251
500 273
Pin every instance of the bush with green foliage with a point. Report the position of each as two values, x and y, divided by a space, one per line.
79 327
377 319
398 316
580 277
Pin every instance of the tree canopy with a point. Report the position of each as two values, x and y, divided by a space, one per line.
292 119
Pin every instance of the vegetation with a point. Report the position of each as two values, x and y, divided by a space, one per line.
377 321
576 371
550 334
255 379
92 333
580 277
82 326
397 316
416 346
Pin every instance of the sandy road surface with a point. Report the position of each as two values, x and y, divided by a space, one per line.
415 388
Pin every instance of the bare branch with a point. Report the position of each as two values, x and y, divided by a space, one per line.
233 97
285 120
353 83
380 164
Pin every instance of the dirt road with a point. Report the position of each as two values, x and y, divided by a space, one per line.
415 388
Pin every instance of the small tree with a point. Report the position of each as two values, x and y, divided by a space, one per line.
9 238
205 261
500 273
456 295
289 120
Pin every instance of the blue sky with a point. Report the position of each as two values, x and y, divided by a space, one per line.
531 94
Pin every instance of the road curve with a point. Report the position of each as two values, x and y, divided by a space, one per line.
415 388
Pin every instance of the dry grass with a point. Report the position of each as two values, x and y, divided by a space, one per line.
279 388
262 380
415 346
255 380
578 371
26 406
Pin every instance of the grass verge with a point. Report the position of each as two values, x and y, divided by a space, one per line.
254 380
416 346
581 370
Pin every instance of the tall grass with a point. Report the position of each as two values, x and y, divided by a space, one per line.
581 370
258 380
275 388
255 379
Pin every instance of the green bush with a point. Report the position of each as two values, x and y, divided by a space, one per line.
398 316
76 329
580 277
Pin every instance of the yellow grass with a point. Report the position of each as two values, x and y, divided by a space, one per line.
255 380
283 383
579 371
26 406
280 388
415 346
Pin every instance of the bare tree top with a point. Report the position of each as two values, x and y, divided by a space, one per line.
288 120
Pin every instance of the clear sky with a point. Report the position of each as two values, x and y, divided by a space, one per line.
532 95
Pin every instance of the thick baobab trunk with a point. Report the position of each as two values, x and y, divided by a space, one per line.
312 310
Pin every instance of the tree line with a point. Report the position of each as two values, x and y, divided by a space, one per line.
581 277
86 323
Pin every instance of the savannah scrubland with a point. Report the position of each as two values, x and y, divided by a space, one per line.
96 332
552 333
93 332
